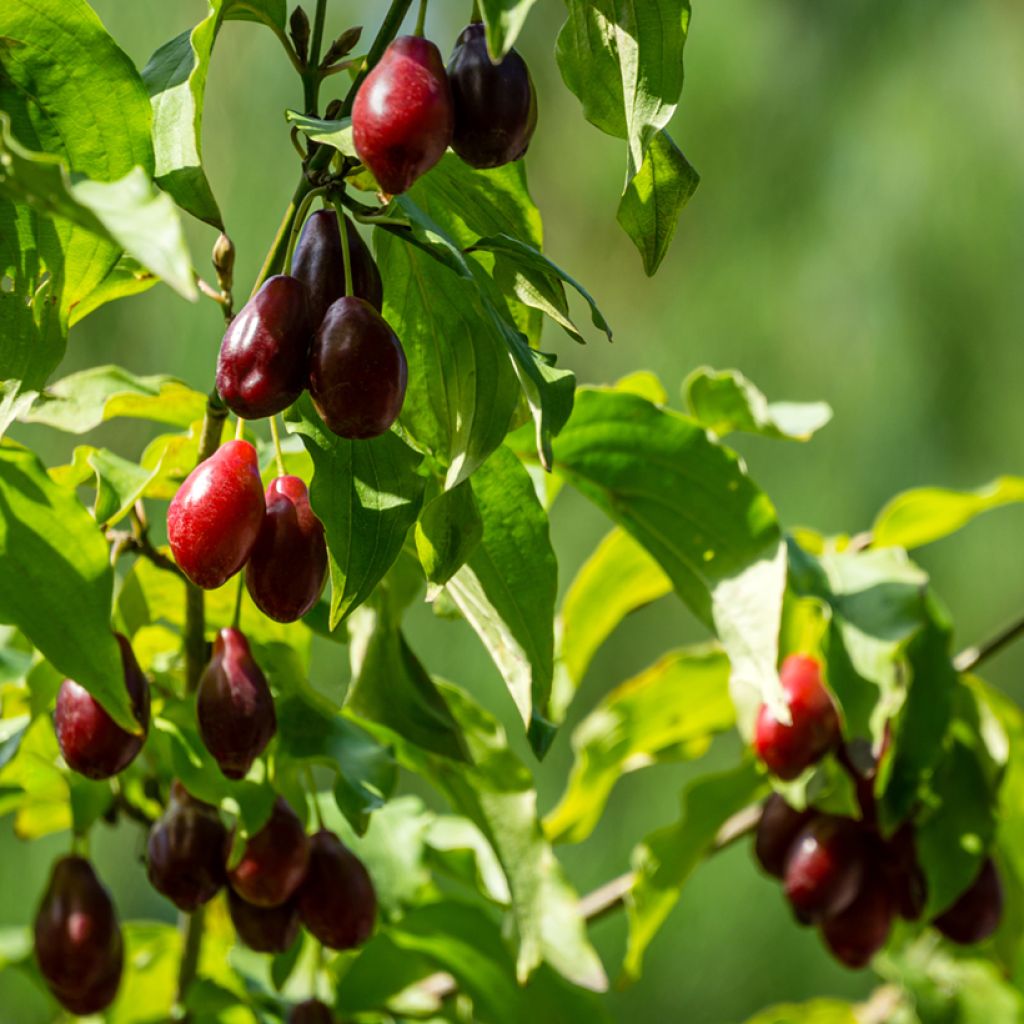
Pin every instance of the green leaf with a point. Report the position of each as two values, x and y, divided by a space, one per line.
504 20
623 60
175 78
335 133
724 401
82 401
653 200
367 494
119 482
448 531
506 590
127 277
719 543
669 712
309 730
817 1011
148 986
392 689
46 535
957 830
539 282
666 859
620 577
457 847
928 514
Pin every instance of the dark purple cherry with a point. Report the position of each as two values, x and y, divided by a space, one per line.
357 372
779 826
898 862
311 1012
824 867
856 934
77 938
495 104
234 706
275 859
288 565
788 750
320 264
92 743
185 851
262 364
337 901
402 119
214 519
264 929
977 913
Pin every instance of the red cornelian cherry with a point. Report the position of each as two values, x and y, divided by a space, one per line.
275 859
824 867
215 517
234 706
92 743
402 119
788 750
858 932
977 913
288 565
777 829
264 929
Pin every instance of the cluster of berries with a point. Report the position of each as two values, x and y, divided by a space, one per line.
843 874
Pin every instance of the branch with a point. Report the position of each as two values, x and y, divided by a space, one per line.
970 658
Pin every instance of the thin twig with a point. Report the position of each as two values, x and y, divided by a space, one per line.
971 657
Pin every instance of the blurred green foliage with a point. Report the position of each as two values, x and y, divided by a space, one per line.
856 238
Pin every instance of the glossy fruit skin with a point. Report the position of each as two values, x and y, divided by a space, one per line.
403 119
495 104
778 828
287 569
262 365
215 517
358 371
788 750
234 706
264 929
337 901
311 1012
274 862
856 934
77 938
92 743
825 867
320 264
185 851
977 913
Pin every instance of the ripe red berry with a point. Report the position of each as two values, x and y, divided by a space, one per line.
779 826
903 874
402 119
495 104
275 859
288 565
234 706
856 934
215 517
824 868
92 743
788 750
185 851
264 929
319 263
337 901
77 938
358 371
977 913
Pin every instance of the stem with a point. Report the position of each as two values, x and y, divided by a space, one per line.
316 963
421 18
476 15
278 457
311 782
346 253
240 429
318 32
191 927
300 218
970 658
237 617
388 30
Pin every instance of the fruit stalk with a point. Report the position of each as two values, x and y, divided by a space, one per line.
191 926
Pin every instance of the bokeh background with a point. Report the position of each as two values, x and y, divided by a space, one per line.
858 237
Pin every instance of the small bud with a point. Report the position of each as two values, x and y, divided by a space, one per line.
333 111
299 28
345 43
224 260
